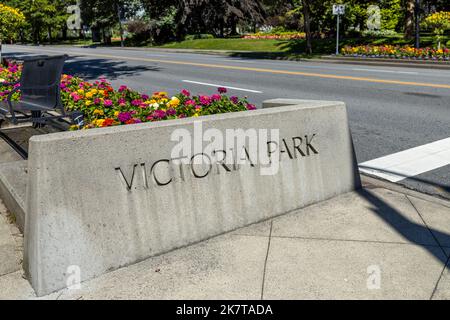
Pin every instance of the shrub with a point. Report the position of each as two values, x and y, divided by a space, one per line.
379 33
199 36
439 22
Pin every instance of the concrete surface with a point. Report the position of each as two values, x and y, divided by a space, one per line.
272 260
13 187
11 244
110 226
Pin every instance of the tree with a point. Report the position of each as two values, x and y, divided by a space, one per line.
11 20
439 22
42 16
102 15
206 16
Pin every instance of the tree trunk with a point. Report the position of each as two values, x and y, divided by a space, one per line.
409 19
64 32
307 24
49 31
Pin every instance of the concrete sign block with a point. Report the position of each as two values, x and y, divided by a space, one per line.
101 199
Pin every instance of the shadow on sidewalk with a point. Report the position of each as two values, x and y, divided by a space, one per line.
407 228
443 187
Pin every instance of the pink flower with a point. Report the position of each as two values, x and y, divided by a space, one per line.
122 88
121 101
190 102
216 97
107 103
185 93
250 107
205 100
136 103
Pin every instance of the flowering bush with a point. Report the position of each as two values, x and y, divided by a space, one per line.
103 106
10 21
439 22
286 35
9 74
389 51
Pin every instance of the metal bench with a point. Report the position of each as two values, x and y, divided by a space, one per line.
40 101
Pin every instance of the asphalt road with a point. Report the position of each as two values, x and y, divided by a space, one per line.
390 109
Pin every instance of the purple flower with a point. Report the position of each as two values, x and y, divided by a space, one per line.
124 116
171 112
222 90
121 101
144 97
96 100
136 103
159 114
235 100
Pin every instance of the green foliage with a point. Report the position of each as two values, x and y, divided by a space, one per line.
11 20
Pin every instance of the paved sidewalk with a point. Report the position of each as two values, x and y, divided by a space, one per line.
331 250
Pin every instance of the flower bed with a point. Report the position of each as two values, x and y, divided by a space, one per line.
397 52
104 106
276 36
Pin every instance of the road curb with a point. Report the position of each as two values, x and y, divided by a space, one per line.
385 62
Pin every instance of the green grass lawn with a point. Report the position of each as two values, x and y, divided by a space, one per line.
289 48
228 44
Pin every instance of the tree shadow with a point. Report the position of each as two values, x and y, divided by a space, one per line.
94 68
90 69
410 230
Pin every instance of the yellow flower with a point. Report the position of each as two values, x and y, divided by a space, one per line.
116 114
88 103
174 102
101 92
89 95
98 112
81 91
99 122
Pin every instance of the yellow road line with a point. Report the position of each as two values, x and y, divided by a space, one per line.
273 71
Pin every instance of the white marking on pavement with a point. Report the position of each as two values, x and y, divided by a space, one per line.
385 71
220 85
409 163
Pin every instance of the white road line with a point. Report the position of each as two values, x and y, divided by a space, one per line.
219 85
411 162
384 71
